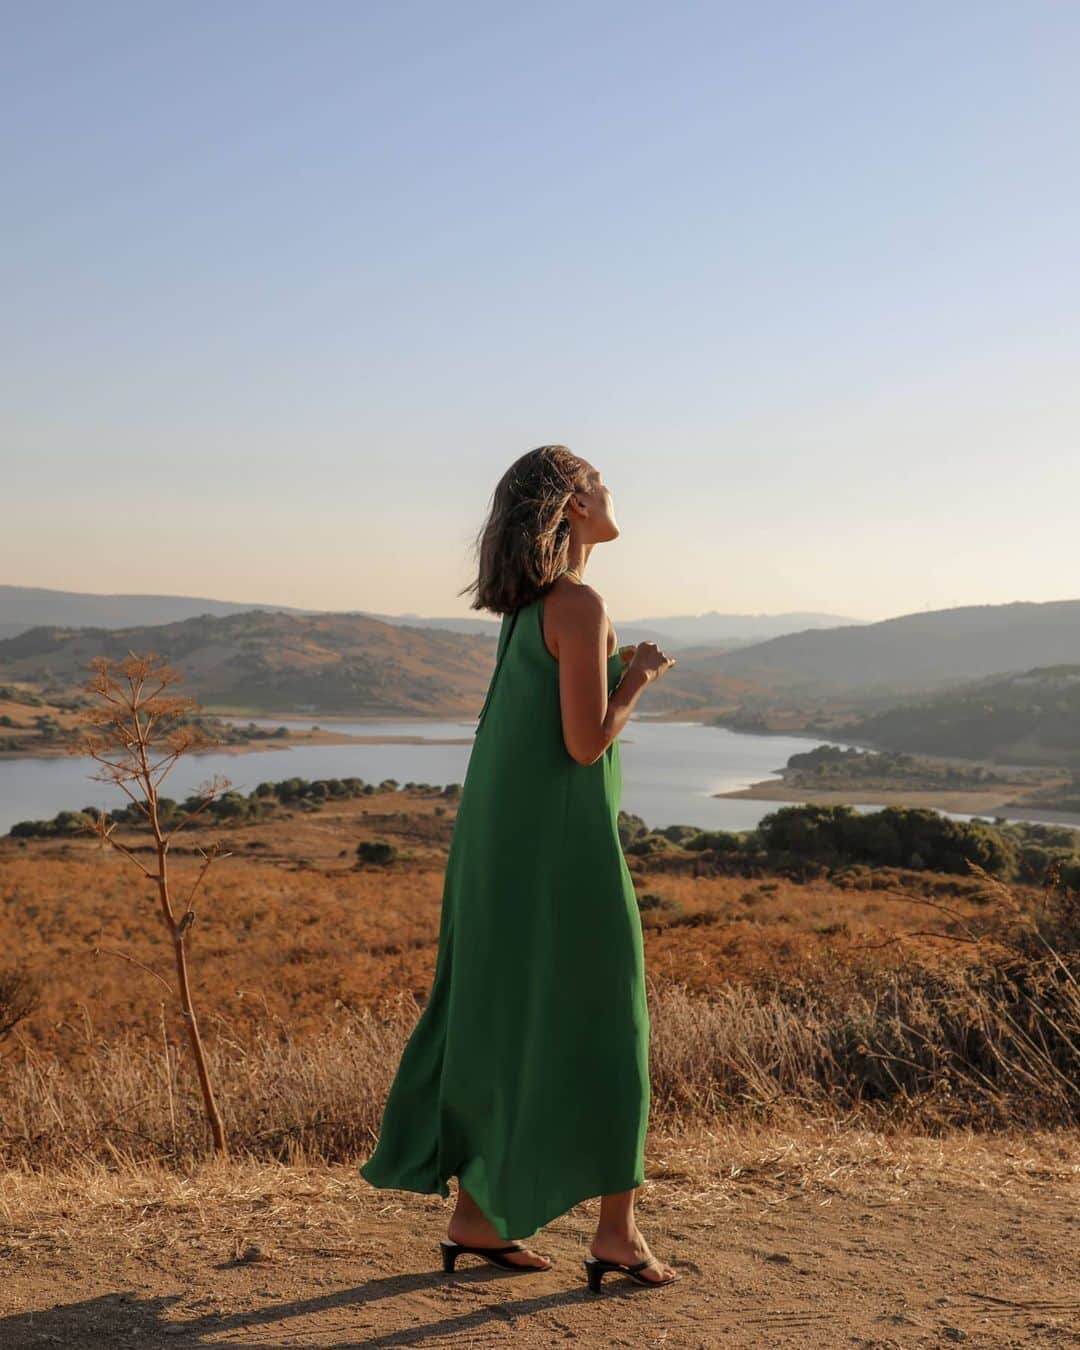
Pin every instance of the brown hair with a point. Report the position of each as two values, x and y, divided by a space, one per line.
523 545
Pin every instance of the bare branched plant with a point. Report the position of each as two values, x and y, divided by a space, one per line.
20 995
138 733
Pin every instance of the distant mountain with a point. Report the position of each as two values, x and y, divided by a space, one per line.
276 662
913 652
262 662
1030 718
23 607
272 662
727 631
714 628
675 632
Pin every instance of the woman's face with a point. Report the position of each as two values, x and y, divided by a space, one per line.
597 523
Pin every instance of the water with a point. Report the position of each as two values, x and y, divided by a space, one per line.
670 770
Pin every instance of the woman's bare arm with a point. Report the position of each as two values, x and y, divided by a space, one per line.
590 719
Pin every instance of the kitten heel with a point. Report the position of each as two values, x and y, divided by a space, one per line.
596 1269
594 1272
495 1255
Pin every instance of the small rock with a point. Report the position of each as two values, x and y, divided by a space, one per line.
252 1251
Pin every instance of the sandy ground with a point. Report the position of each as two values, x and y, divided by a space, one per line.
794 1239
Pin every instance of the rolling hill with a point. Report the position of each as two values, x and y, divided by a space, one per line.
713 628
25 607
914 652
262 662
1030 718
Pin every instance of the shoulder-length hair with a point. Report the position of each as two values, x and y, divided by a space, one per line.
524 542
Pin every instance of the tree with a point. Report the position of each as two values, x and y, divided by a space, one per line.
134 725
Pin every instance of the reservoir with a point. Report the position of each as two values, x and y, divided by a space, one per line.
670 769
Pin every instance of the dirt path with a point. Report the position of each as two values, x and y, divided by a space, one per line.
783 1239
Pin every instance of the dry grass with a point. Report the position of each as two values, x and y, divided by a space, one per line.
697 1171
980 1048
290 925
875 1000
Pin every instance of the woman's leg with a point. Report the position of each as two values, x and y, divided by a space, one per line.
618 1237
471 1226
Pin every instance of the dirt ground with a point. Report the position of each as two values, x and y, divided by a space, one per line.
801 1238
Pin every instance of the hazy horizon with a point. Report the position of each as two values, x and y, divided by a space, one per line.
626 617
288 291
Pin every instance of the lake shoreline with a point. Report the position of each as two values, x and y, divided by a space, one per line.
264 743
327 737
969 802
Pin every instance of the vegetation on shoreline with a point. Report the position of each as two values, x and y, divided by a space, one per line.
795 840
832 767
262 803
49 724
813 839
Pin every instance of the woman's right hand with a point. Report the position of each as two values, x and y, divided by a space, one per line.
649 659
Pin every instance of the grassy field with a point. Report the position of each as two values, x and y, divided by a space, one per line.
297 947
863 1084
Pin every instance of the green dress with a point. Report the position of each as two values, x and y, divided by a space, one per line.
526 1075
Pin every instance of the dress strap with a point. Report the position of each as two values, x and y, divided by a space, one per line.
504 642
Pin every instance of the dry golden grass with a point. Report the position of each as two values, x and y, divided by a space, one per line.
919 1053
288 925
844 1001
692 1169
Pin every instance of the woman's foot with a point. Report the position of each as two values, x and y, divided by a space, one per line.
478 1232
628 1250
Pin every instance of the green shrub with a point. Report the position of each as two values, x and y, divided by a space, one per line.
376 851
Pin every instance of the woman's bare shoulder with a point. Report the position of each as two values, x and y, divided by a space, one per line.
576 598
575 606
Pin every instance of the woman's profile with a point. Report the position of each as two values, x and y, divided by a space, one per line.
527 1073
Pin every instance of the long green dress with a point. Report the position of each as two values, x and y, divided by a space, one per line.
526 1075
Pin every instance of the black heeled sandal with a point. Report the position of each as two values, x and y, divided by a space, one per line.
452 1250
596 1269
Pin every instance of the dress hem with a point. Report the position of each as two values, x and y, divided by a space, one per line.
442 1189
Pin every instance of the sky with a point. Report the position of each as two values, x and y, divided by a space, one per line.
288 287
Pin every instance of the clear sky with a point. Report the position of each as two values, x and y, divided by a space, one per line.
288 286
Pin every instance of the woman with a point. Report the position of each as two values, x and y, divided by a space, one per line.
526 1075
